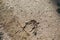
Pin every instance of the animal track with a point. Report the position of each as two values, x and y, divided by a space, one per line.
34 24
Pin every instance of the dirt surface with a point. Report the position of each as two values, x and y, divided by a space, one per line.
29 20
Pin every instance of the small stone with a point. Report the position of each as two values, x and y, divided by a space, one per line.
58 2
1 33
58 10
35 33
1 36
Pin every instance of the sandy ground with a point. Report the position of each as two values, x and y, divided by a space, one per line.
29 20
